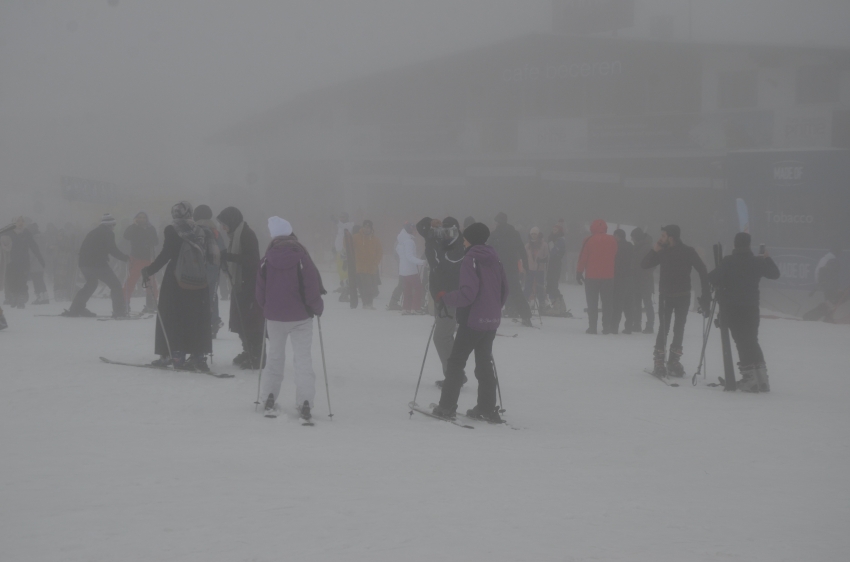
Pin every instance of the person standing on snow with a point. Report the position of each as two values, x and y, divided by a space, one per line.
37 268
674 295
508 245
342 225
97 246
557 249
596 270
408 270
479 299
444 251
537 256
21 242
143 240
367 258
644 283
240 263
289 290
739 275
203 217
624 281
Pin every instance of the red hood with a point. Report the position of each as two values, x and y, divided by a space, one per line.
598 226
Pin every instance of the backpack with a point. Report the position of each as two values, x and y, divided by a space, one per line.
190 270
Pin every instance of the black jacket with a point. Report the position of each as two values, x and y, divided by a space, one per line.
739 275
444 259
143 240
97 246
624 262
508 244
22 244
644 277
676 262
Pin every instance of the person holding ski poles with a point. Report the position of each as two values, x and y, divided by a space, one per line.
739 274
289 291
674 295
479 299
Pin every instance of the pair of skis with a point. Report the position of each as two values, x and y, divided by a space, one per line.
163 368
417 408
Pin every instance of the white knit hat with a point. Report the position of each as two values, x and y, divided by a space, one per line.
279 227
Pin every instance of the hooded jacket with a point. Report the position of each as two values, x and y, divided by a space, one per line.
278 289
482 292
143 239
408 263
598 252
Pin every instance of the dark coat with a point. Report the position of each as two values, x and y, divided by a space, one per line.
22 244
644 278
97 246
739 275
676 262
444 259
624 262
184 312
143 240
508 244
245 313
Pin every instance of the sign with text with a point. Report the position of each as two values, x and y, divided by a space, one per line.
796 267
90 191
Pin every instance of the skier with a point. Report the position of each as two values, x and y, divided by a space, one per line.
557 250
97 246
203 217
598 253
739 275
408 270
674 295
342 225
508 245
37 268
481 294
624 281
143 241
644 283
242 259
367 258
444 251
289 290
21 243
184 313
537 256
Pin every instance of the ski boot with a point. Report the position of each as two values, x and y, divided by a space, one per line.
445 413
749 381
442 382
761 376
163 361
491 416
84 313
197 363
659 369
270 410
304 411
241 358
674 366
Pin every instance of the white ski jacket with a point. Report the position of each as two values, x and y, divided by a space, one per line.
408 263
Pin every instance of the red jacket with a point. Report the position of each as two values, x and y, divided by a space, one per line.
598 252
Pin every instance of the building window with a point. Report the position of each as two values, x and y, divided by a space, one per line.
818 84
737 90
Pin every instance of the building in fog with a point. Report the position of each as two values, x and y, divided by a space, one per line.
638 131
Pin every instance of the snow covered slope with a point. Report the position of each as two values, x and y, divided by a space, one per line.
102 462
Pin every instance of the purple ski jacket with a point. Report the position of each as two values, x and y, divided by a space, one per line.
483 290
278 290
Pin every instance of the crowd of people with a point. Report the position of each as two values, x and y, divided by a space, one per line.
468 277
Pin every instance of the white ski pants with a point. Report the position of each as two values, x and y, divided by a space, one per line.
301 334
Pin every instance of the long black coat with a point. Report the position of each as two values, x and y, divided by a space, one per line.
185 312
244 309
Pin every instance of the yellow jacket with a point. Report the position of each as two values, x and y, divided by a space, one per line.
367 253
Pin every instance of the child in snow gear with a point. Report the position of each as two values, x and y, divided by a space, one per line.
739 275
674 294
240 263
408 270
184 312
97 246
367 259
143 240
644 283
481 294
596 270
511 251
289 291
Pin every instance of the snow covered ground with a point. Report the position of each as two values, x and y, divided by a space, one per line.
108 463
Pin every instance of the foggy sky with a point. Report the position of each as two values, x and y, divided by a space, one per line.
127 93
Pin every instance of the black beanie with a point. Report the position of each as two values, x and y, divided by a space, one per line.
743 240
449 222
673 231
476 233
202 212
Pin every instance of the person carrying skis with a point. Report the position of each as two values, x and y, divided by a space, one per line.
289 291
624 281
479 298
444 251
739 274
596 270
184 313
508 245
97 246
240 263
644 283
408 270
143 241
674 295
367 259
557 250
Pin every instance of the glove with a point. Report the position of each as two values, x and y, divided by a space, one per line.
580 278
439 296
704 305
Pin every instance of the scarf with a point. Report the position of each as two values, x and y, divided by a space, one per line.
233 268
186 228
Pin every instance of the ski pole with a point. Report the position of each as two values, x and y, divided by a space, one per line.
422 370
706 330
498 386
162 326
262 363
324 368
